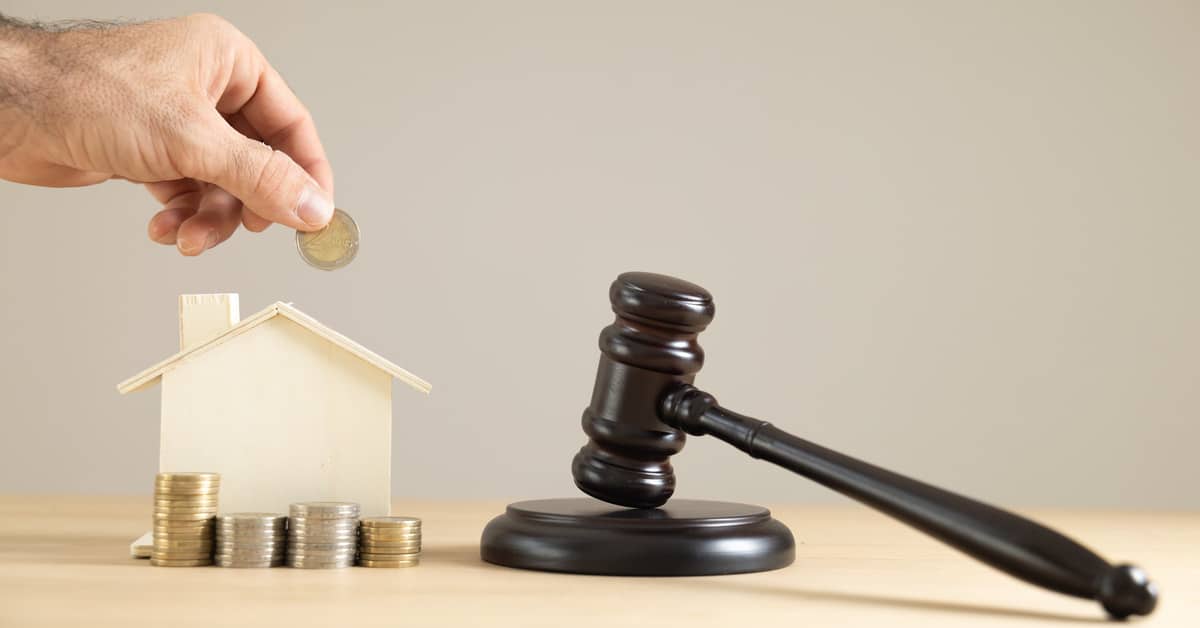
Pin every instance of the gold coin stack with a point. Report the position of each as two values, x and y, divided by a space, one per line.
390 542
185 505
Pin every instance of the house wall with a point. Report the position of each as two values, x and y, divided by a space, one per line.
283 416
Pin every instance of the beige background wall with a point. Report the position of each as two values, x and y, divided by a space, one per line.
954 238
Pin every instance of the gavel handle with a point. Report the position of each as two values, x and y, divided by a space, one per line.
1010 543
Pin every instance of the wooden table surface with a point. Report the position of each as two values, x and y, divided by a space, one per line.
64 561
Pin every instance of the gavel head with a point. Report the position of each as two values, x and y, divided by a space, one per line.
647 351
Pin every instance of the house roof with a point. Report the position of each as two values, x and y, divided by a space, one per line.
151 375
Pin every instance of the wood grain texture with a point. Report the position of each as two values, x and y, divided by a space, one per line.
64 562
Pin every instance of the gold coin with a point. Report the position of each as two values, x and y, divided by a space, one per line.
391 522
168 503
193 562
185 527
188 476
177 553
389 555
178 543
390 538
196 517
173 557
175 543
332 247
182 530
165 535
186 508
389 533
187 486
390 564
185 492
171 487
177 502
391 549
391 543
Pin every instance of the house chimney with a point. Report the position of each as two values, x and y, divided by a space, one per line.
205 316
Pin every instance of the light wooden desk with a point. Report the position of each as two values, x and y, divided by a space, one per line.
64 561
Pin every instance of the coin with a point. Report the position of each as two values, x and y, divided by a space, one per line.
391 522
185 494
186 507
321 565
389 556
170 544
322 534
332 247
393 564
247 564
391 549
183 516
278 548
250 539
183 530
389 535
322 546
253 519
164 513
329 523
327 509
187 479
192 562
187 486
239 559
182 533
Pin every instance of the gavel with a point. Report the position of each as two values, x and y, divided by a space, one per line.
644 403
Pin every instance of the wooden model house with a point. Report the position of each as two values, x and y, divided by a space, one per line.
283 407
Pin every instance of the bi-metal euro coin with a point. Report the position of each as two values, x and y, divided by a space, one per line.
332 247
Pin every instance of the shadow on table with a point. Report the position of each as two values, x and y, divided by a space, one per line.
892 602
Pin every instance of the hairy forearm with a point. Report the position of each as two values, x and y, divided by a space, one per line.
14 50
35 54
17 40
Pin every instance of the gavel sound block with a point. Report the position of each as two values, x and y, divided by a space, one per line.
642 406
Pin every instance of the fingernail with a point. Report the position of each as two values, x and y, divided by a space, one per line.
314 208
190 247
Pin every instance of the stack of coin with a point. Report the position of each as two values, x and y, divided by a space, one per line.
322 535
184 507
390 542
251 539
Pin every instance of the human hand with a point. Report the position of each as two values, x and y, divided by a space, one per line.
187 106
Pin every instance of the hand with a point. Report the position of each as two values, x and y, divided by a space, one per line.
187 106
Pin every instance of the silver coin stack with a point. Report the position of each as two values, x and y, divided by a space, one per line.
251 539
322 535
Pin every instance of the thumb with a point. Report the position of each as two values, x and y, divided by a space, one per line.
267 181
